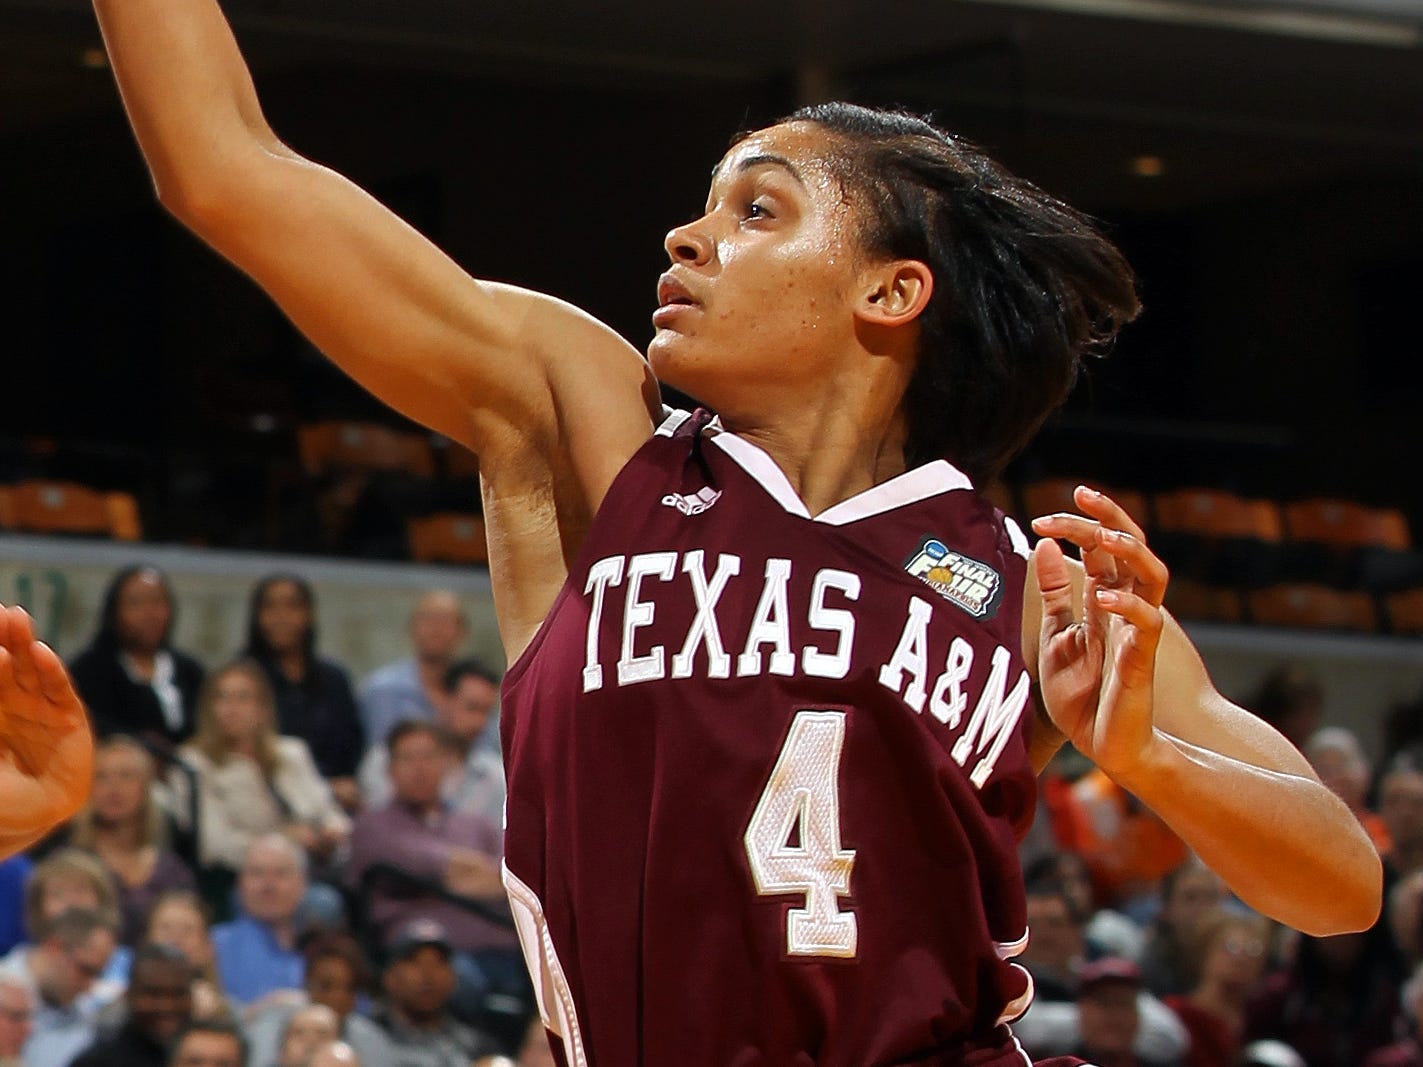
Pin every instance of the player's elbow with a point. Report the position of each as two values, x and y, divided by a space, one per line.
1351 902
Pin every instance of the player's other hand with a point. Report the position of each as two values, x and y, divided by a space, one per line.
1096 671
46 749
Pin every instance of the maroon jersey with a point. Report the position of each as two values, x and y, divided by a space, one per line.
767 772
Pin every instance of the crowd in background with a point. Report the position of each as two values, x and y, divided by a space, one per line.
280 868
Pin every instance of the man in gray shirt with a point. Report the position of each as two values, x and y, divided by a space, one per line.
418 983
410 688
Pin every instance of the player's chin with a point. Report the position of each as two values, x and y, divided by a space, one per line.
670 354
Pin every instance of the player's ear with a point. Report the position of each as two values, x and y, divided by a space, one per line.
894 293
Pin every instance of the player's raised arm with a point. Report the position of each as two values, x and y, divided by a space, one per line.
1124 684
483 363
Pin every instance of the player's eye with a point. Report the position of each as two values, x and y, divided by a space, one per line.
759 209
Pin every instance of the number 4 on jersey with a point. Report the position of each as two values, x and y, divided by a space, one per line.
803 795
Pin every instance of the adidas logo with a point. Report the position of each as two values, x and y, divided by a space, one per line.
693 503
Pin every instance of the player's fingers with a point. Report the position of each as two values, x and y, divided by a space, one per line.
8 689
1082 532
22 637
4 626
54 680
1135 557
1055 582
1106 510
1137 642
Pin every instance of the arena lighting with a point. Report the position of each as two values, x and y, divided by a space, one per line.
1148 166
1315 25
94 59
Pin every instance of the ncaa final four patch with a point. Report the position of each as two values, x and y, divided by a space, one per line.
961 580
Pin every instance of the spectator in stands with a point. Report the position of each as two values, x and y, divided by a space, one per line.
126 829
62 970
336 974
1108 1014
1055 949
1402 730
1106 932
1292 701
476 781
1407 1052
1126 846
210 1043
256 953
131 678
252 781
14 874
1336 757
1336 1003
1187 893
160 1005
17 1015
414 688
1228 959
418 983
534 1051
1401 807
454 851
1268 1053
313 695
179 920
70 878
335 1054
307 1029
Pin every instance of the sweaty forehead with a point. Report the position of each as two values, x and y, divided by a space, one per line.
802 148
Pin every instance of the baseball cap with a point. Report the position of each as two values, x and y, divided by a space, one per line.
1108 969
417 934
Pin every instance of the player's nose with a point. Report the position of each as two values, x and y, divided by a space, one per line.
689 244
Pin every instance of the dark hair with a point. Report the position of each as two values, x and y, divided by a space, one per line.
156 952
222 1027
106 638
1050 886
257 646
1284 691
408 727
461 669
1024 286
338 946
74 926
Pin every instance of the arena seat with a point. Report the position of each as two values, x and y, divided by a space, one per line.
7 509
359 446
1313 606
1215 513
1405 611
1187 599
1049 495
448 538
1347 524
67 507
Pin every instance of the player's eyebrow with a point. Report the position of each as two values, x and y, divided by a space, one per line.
763 159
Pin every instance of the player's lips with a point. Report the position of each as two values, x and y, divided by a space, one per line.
673 298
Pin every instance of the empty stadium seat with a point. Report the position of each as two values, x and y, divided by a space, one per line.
1215 513
1207 603
358 446
1313 606
66 507
1347 524
1405 611
448 538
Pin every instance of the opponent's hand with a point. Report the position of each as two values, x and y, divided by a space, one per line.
1096 673
46 749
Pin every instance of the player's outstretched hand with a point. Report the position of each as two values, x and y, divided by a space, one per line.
46 750
1096 672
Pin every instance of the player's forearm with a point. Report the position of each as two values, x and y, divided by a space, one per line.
1286 845
187 90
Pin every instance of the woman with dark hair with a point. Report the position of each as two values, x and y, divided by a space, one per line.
315 701
767 729
131 677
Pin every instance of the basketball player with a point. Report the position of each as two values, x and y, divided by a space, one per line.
44 732
768 725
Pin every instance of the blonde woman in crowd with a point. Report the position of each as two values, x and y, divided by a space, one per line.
126 829
69 878
251 780
179 919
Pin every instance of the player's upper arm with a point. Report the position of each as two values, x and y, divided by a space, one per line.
477 361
